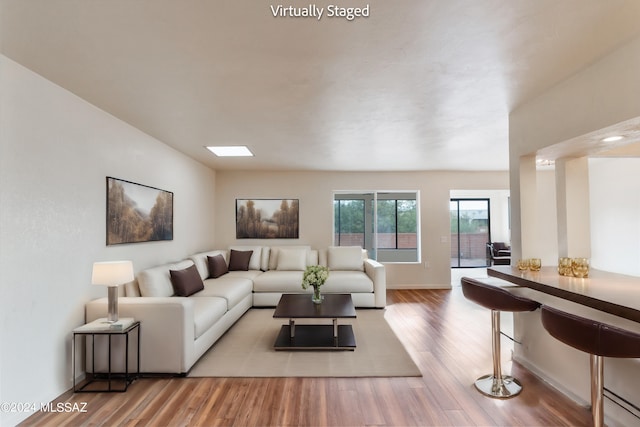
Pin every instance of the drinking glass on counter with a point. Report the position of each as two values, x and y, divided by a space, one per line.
535 264
523 264
564 266
580 267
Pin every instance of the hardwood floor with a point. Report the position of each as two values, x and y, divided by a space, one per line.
447 336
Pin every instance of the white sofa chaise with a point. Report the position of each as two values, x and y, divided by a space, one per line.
177 330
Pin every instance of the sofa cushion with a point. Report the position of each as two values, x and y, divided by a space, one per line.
232 289
200 260
292 259
347 281
186 281
156 281
206 312
312 255
264 261
239 260
249 274
279 281
255 263
291 282
217 266
345 258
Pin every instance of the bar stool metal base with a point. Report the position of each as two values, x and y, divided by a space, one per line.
503 388
496 385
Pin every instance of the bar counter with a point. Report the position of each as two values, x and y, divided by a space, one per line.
606 297
612 293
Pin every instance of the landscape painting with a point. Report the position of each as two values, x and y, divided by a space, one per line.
137 213
267 218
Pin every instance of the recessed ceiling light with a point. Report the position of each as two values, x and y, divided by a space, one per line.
230 151
613 138
545 162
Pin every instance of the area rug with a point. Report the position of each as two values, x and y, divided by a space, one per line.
246 350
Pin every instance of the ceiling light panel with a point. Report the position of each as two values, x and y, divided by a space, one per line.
230 151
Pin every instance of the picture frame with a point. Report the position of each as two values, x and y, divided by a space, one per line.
267 218
137 213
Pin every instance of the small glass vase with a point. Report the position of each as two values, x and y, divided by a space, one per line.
316 297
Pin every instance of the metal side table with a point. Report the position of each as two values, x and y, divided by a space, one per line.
115 381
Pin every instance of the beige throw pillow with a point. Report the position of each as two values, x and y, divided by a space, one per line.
292 259
156 281
345 258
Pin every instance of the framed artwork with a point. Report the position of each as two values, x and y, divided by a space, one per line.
137 213
267 218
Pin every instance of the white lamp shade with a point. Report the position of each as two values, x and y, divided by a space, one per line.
112 273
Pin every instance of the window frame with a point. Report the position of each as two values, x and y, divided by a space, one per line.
371 243
458 200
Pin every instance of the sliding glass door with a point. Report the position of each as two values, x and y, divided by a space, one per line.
470 234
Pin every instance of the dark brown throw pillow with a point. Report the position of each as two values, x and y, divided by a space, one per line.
239 260
217 266
186 282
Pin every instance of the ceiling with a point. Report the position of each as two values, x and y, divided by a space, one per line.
417 85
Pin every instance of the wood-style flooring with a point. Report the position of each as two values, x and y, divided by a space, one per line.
447 336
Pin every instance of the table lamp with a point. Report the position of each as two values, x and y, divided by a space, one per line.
112 274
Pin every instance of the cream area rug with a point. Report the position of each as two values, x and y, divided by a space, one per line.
246 350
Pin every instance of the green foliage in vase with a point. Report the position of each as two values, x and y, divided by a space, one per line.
314 275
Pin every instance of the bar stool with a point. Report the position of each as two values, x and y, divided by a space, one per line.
596 338
496 299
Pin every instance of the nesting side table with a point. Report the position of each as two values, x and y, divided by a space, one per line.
115 381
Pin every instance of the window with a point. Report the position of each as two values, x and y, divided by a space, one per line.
349 222
386 224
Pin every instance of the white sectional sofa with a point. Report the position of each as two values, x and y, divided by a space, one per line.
177 330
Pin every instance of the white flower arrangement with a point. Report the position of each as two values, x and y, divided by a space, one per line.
314 275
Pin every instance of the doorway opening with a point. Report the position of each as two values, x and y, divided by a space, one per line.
470 232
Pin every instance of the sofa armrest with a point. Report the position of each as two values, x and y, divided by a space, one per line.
377 274
166 330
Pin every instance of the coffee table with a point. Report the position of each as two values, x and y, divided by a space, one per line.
315 337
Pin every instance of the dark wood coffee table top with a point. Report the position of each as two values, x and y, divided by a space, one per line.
300 306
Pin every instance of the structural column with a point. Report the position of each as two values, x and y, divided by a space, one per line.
530 247
572 197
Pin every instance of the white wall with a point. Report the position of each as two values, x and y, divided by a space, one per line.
615 214
315 192
56 152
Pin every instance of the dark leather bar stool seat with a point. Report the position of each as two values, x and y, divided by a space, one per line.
599 340
496 299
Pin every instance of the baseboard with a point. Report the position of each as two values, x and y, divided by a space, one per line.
542 376
79 378
419 286
611 419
